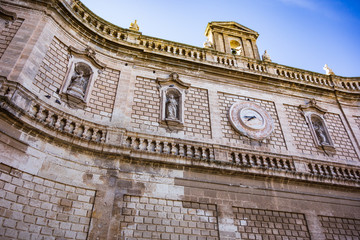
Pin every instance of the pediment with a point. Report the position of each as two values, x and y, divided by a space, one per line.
174 78
312 105
230 26
88 53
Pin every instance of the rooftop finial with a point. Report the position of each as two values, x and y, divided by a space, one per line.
266 56
134 26
328 70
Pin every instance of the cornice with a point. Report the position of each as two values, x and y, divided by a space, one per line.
25 111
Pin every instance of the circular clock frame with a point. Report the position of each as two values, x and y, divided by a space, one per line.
251 120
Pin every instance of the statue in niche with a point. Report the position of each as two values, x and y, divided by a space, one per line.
172 107
320 132
79 80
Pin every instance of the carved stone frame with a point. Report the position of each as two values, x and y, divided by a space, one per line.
311 111
85 57
176 86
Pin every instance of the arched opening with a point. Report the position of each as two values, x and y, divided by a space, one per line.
235 47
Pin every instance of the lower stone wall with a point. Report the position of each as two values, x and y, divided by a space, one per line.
154 218
267 224
340 228
36 208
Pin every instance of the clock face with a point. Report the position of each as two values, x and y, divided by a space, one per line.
251 120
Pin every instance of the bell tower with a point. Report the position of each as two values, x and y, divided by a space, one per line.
234 38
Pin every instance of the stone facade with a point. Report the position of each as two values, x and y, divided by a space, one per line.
92 147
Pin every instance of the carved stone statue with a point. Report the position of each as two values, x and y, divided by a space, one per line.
266 56
320 133
328 70
134 26
172 107
79 80
174 76
208 44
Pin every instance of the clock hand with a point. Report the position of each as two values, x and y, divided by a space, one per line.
249 117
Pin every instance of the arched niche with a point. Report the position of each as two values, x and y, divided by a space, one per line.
314 116
319 130
236 47
172 95
83 70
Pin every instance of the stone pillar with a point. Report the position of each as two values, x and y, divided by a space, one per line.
227 228
121 116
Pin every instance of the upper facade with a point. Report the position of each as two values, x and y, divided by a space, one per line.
93 81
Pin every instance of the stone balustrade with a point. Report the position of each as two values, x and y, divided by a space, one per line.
172 147
246 159
51 117
254 65
331 171
67 124
303 76
348 84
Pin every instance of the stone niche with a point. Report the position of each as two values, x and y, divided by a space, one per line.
314 116
83 70
172 98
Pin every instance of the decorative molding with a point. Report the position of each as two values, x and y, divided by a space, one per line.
312 105
88 53
314 116
173 77
7 15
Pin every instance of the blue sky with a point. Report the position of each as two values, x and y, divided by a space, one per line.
298 33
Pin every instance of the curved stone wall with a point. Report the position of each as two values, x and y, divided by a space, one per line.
89 151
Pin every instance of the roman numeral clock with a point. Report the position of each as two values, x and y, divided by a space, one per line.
251 120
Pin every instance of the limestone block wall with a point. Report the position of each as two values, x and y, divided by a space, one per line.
267 224
340 228
32 207
154 218
276 140
197 115
103 94
52 70
8 33
146 109
304 140
52 74
357 120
